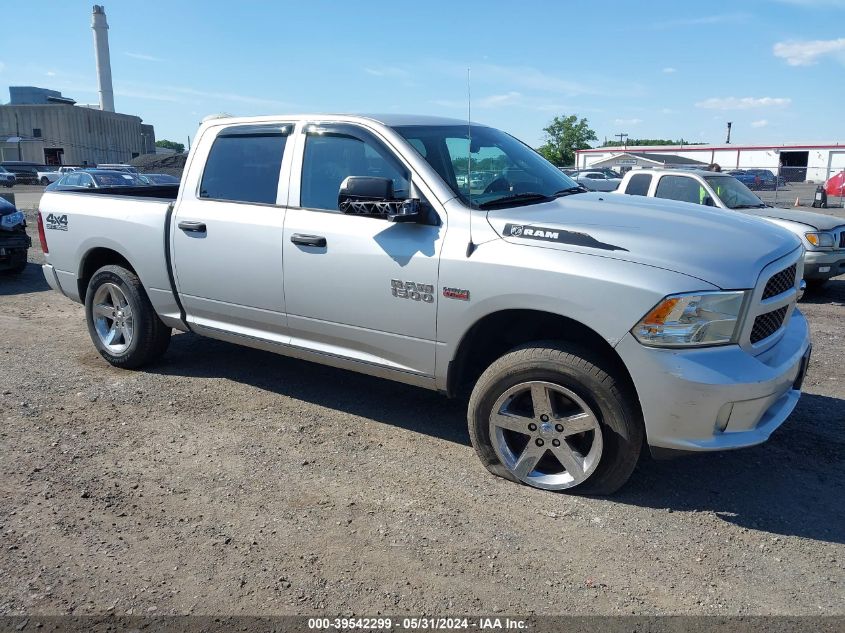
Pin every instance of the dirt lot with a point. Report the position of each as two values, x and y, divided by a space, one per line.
225 480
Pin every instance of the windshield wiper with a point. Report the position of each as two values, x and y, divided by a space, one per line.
570 190
750 206
516 198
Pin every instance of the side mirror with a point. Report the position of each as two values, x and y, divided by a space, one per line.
365 189
708 201
365 195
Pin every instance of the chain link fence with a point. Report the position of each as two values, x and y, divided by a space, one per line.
790 186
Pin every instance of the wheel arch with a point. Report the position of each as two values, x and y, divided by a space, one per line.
94 259
498 332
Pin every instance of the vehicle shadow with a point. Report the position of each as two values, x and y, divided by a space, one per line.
832 292
791 486
30 280
384 401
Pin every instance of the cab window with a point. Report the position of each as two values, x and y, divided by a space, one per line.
679 188
336 152
638 185
244 164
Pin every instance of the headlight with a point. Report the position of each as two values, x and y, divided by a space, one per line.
13 219
820 240
693 319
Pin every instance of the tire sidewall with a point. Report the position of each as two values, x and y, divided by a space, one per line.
112 274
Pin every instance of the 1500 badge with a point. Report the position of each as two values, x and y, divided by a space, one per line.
410 290
56 222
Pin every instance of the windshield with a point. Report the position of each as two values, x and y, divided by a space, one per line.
733 193
495 170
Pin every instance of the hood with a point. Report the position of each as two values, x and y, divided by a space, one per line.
818 221
724 248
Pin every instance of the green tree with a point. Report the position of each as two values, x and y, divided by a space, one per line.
179 148
563 136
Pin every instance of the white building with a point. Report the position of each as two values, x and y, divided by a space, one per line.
797 163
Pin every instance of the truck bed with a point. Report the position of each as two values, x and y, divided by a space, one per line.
79 224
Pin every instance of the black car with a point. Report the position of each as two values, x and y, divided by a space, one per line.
25 173
14 241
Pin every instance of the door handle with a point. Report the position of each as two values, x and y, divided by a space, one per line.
192 227
308 240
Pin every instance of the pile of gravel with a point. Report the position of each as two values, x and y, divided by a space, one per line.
172 164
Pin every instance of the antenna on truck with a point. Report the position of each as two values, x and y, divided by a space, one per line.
471 245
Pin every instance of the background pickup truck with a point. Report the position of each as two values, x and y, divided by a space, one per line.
823 236
580 324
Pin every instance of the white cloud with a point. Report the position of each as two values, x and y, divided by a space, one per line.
494 101
50 73
807 53
742 103
667 111
760 123
143 57
627 121
387 71
719 18
669 70
836 4
2 67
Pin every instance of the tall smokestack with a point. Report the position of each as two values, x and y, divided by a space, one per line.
101 49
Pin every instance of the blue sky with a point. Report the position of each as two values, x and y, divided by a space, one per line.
651 69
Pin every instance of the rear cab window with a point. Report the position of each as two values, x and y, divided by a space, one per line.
244 164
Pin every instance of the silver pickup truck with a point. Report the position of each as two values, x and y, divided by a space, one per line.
581 324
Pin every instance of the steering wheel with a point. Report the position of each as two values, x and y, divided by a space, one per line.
500 184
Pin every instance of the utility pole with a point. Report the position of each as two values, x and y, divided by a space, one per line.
623 138
728 140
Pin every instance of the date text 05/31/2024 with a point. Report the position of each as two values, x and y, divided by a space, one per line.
417 624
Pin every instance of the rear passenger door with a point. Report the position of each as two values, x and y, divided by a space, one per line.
227 232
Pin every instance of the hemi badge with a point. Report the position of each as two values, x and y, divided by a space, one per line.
456 293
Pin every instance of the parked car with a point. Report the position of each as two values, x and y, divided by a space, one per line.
159 179
25 173
14 242
756 179
823 236
118 167
47 175
596 180
607 171
749 180
96 179
7 178
584 324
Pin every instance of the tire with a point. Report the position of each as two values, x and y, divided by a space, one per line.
587 394
125 338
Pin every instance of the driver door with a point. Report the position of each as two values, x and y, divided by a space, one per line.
357 287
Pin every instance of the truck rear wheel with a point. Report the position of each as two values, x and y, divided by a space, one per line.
554 416
121 320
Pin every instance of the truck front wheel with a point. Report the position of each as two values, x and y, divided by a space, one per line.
121 320
557 417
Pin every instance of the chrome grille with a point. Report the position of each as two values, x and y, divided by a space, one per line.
767 324
780 282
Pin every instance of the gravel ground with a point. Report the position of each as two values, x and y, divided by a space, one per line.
231 481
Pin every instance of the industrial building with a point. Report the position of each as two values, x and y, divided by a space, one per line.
42 126
796 163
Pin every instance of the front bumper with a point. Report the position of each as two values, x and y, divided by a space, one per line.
824 264
13 247
720 397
